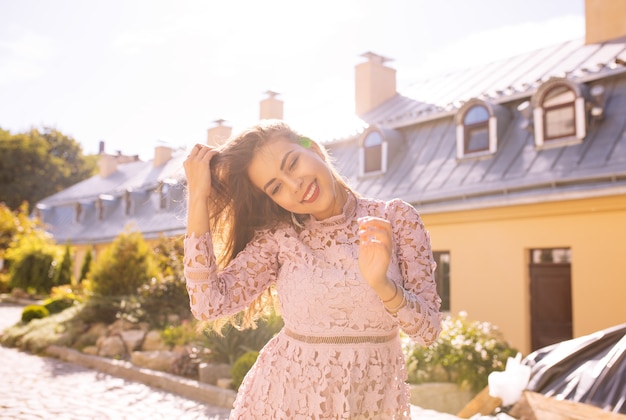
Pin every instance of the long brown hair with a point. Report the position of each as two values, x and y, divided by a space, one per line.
238 208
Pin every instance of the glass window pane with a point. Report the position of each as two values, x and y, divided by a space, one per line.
560 122
551 256
559 95
476 114
373 139
442 278
477 139
373 159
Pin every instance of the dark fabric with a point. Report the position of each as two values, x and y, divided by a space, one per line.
589 369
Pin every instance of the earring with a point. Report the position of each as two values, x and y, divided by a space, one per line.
295 221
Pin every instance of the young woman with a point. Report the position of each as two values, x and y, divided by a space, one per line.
267 211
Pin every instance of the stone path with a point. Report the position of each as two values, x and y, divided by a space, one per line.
34 387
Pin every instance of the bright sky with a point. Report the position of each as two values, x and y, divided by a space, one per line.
139 73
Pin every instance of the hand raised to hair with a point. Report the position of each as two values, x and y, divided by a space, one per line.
375 244
198 171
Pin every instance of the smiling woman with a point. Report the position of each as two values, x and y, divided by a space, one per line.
349 273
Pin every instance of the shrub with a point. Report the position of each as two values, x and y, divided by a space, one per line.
86 266
123 267
241 367
63 274
100 309
465 353
233 343
33 270
159 299
54 306
31 312
28 251
179 335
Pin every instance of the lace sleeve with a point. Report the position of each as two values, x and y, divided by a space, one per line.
420 318
214 294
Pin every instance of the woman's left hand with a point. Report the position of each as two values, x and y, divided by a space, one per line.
375 245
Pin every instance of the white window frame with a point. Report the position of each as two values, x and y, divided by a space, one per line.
383 154
539 114
492 127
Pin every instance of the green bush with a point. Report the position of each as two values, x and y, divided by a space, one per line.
63 273
100 309
233 343
33 271
31 312
54 306
180 335
465 353
241 367
159 299
123 267
84 269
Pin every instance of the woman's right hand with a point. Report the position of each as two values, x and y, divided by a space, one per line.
198 171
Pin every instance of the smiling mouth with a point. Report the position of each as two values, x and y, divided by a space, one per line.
311 193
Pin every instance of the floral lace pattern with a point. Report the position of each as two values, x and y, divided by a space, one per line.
322 293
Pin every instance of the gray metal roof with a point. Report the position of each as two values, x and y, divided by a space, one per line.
138 181
423 168
427 171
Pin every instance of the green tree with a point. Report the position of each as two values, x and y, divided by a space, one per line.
30 259
63 273
37 164
84 269
123 266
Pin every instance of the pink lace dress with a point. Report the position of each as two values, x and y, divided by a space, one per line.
339 355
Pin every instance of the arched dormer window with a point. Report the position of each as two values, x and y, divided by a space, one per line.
477 126
78 212
559 115
373 153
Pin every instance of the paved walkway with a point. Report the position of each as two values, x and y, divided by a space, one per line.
34 387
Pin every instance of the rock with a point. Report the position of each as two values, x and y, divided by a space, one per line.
153 341
92 350
210 373
156 360
132 339
225 383
121 325
112 347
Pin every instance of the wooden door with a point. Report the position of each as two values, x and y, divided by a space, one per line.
550 303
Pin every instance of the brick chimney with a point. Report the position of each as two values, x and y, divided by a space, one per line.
375 83
107 164
604 20
219 134
271 107
161 155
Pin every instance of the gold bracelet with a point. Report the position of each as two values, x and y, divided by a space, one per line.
394 294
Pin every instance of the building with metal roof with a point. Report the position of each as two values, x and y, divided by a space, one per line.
518 168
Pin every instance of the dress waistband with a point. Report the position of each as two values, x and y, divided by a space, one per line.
341 339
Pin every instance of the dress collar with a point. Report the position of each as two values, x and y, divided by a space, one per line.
349 209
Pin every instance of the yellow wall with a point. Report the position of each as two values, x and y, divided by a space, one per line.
489 257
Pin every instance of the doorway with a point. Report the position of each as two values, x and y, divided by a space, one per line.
550 296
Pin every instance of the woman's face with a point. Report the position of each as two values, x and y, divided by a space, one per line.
296 178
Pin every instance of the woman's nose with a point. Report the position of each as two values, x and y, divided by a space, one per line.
294 183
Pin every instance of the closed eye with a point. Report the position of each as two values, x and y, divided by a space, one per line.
275 189
293 163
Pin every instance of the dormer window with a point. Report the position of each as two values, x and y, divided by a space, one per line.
164 195
559 115
373 154
477 125
128 203
78 211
